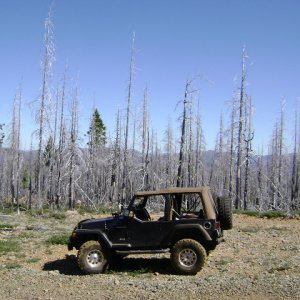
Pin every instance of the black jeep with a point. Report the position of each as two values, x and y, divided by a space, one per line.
187 222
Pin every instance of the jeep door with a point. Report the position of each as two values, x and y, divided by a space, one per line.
147 234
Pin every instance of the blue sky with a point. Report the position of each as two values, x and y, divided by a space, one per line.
175 41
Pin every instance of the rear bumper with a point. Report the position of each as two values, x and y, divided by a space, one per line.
211 245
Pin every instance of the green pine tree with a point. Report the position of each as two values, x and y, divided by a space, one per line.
97 131
48 152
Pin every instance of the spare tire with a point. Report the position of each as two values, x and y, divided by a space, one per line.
225 212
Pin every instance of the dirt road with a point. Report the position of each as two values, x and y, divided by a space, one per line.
259 260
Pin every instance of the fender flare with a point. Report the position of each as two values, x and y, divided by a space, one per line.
180 228
101 236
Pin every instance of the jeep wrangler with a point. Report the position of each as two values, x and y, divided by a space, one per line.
187 222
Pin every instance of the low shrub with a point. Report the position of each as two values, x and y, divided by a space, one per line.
6 226
57 215
13 266
35 213
7 210
281 267
224 261
278 228
251 213
58 239
273 214
33 260
250 229
267 214
8 246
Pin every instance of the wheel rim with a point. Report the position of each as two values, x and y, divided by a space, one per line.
94 258
187 257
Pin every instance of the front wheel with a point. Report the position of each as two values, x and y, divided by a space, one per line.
92 258
188 257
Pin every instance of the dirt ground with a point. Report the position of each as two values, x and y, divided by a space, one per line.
260 259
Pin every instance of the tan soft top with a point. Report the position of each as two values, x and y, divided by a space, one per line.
204 191
173 190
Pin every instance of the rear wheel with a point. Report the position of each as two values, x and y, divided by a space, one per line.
225 212
188 257
92 258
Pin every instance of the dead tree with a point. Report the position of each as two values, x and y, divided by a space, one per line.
238 180
48 60
31 175
248 137
199 167
129 99
2 158
170 153
280 148
218 175
190 149
15 148
232 149
72 148
145 141
295 166
116 162
278 163
61 142
179 182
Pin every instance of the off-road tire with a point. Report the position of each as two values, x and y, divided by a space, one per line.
225 212
92 258
188 257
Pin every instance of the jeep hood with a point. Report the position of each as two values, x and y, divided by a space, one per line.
102 223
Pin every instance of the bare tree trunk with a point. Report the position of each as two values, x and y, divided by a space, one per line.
240 135
129 96
295 166
30 187
145 141
199 140
14 155
60 144
170 153
191 170
116 162
232 150
18 150
280 162
182 139
73 139
274 168
44 97
248 141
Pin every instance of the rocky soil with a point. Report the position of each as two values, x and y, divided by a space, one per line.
259 260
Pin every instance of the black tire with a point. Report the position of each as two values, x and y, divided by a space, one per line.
188 257
92 258
225 212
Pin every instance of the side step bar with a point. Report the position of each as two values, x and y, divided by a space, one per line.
141 251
